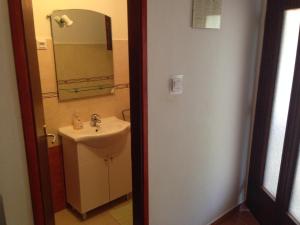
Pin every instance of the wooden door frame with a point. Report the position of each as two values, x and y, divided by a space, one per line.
259 203
28 79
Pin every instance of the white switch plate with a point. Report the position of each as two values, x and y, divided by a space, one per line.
42 44
176 85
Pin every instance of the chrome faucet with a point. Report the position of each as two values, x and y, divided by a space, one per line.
95 120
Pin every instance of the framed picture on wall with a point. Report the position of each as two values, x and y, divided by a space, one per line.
207 14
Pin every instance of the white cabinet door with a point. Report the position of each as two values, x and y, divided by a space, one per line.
120 172
94 181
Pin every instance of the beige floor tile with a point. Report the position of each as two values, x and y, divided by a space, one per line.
123 213
66 217
97 217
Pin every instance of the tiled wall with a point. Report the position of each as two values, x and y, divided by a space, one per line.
58 114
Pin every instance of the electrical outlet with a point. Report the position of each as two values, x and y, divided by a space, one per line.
42 44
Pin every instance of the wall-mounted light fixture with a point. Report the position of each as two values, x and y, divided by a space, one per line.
63 21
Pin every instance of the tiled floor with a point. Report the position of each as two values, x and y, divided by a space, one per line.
114 214
241 217
120 213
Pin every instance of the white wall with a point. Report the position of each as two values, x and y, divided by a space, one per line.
112 8
198 142
14 186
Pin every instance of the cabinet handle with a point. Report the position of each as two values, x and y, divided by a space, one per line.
53 136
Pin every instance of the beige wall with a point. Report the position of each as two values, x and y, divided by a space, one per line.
198 142
14 186
116 9
58 114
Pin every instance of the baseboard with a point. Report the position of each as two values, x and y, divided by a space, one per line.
226 214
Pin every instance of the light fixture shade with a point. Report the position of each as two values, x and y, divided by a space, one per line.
63 21
67 21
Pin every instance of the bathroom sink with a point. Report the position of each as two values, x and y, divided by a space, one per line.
107 139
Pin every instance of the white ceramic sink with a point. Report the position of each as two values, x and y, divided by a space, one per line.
107 139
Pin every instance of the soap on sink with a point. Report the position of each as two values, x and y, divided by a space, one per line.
77 123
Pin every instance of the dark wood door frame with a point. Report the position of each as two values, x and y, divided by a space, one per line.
260 203
27 72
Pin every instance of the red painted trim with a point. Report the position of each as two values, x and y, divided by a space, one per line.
137 25
26 104
57 176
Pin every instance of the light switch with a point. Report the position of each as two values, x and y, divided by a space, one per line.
42 44
176 85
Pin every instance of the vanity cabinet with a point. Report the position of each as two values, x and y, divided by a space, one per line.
120 174
93 180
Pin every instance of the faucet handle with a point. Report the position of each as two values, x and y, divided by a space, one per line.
95 120
95 116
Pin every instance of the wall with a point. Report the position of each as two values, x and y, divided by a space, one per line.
198 159
14 186
256 82
206 128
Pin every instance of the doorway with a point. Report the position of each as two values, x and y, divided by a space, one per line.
27 68
274 179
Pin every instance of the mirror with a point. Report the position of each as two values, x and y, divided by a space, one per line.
207 14
82 42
